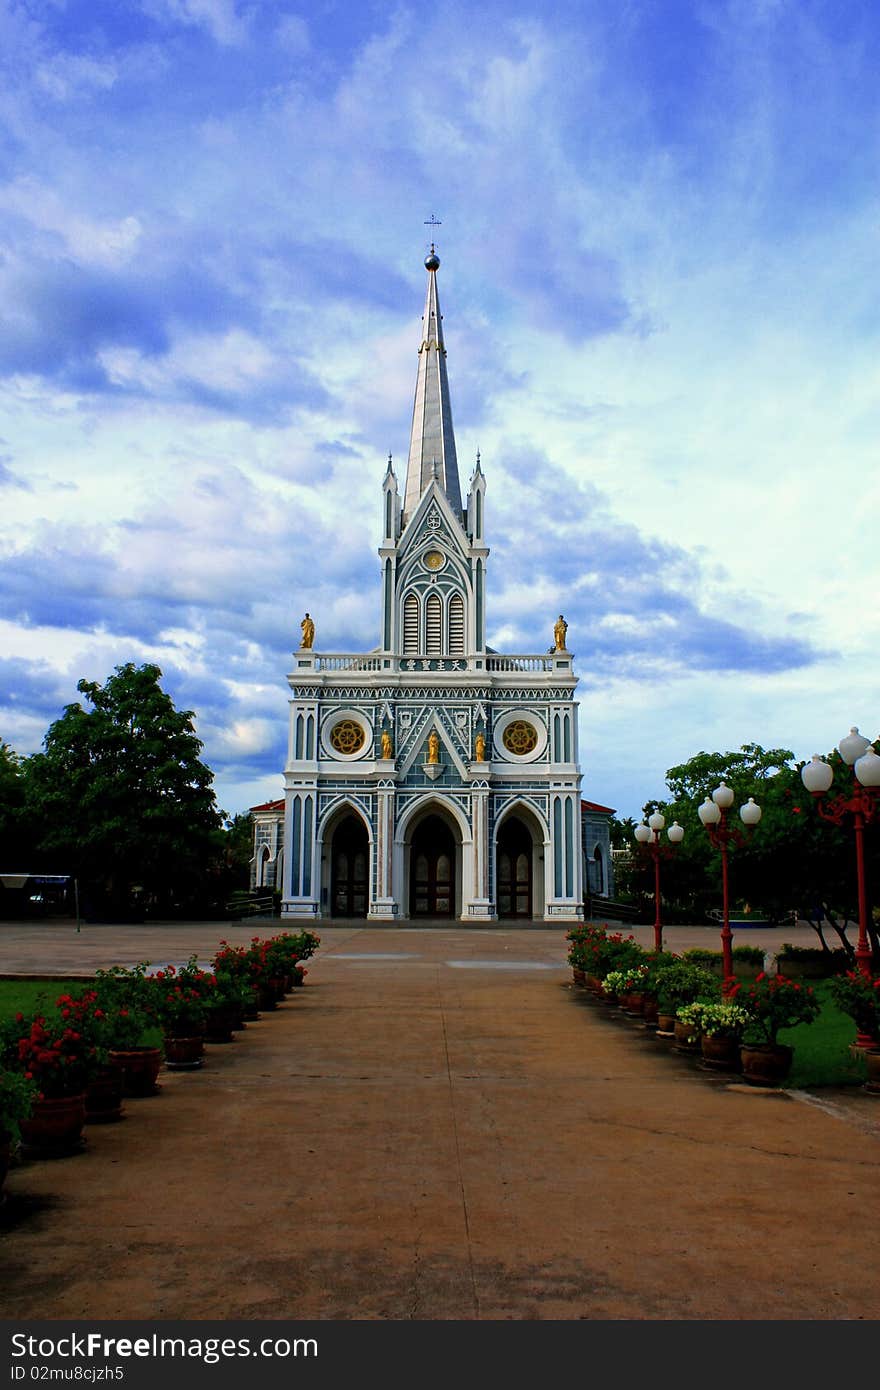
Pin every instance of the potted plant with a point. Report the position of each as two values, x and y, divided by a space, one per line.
180 1010
858 996
678 983
583 955
18 1096
224 1007
654 962
84 1011
721 1030
773 1002
51 1052
295 947
688 1028
236 961
612 952
126 996
628 987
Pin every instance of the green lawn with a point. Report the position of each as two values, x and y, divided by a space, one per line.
821 1049
27 996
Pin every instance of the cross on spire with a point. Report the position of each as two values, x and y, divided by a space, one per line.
432 224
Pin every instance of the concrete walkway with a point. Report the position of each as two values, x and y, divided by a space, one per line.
439 1125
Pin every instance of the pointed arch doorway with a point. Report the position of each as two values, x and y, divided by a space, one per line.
515 878
349 868
432 869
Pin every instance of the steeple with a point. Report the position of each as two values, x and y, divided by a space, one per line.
432 442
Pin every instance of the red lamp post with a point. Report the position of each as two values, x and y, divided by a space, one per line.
649 836
713 814
862 805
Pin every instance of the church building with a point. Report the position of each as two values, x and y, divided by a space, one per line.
431 777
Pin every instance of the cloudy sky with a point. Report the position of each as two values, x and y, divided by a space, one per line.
659 246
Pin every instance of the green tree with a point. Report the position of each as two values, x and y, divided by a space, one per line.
793 861
16 848
621 832
11 792
236 852
123 798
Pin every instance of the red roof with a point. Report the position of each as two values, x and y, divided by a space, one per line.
269 806
594 806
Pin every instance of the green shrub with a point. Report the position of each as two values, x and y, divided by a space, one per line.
684 983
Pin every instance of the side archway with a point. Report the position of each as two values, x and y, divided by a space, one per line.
346 862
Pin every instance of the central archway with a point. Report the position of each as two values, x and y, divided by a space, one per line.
432 869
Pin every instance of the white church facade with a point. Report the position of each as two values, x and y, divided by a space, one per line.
432 777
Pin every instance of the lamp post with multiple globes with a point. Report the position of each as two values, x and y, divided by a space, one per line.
863 805
713 814
649 836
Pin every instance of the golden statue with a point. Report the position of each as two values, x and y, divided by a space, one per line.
480 748
560 628
433 747
387 745
308 632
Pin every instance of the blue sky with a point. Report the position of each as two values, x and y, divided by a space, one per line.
659 251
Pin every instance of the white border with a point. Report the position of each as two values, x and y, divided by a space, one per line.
498 735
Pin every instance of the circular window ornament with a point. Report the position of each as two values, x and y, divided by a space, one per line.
347 737
520 737
434 560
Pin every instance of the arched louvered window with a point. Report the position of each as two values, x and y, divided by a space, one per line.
456 625
433 625
410 623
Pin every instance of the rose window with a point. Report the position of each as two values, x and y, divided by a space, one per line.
347 736
520 737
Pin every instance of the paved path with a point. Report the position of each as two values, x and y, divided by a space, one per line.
440 1126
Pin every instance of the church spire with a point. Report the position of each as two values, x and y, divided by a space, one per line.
432 443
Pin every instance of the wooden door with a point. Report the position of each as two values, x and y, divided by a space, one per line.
514 875
350 869
432 870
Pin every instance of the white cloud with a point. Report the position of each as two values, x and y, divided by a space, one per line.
292 34
233 361
222 19
86 239
68 74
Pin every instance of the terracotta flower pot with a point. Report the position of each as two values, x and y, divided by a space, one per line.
579 975
633 1004
54 1127
184 1054
140 1067
872 1058
104 1096
720 1052
665 1025
266 998
221 1023
650 1013
766 1065
687 1038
